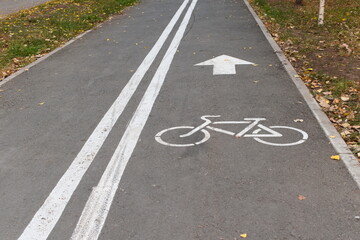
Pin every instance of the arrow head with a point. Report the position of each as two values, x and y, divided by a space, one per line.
224 64
224 59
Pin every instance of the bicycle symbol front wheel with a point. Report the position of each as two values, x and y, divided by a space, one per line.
171 137
304 137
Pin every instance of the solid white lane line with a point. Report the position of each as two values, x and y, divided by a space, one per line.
98 205
49 213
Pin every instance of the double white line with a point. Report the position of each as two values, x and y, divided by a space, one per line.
99 202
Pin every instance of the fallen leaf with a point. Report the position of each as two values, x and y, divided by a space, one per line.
301 197
345 98
323 101
336 100
345 133
298 120
332 137
335 157
351 115
346 47
244 235
42 103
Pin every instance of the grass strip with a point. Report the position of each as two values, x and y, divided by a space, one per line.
327 56
29 34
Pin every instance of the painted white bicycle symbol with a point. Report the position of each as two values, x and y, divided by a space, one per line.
188 132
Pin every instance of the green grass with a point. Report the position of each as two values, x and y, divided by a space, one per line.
38 30
278 14
25 48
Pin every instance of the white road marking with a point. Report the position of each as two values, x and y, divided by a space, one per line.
221 130
304 137
98 205
253 123
49 213
224 65
159 139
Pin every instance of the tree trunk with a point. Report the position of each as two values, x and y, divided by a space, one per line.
321 12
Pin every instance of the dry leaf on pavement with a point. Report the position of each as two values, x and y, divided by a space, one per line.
301 197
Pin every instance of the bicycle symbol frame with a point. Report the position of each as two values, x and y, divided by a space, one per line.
252 123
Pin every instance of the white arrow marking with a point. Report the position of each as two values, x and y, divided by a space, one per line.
224 64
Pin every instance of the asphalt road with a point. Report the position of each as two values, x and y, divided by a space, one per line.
107 139
10 6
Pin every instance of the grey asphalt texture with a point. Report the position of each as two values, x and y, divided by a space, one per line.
216 190
10 6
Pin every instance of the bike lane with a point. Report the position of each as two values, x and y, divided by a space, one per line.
228 186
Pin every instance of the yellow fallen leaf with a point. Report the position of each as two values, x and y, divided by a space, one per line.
335 157
244 235
332 136
42 103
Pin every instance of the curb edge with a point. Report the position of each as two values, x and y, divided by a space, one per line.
348 158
